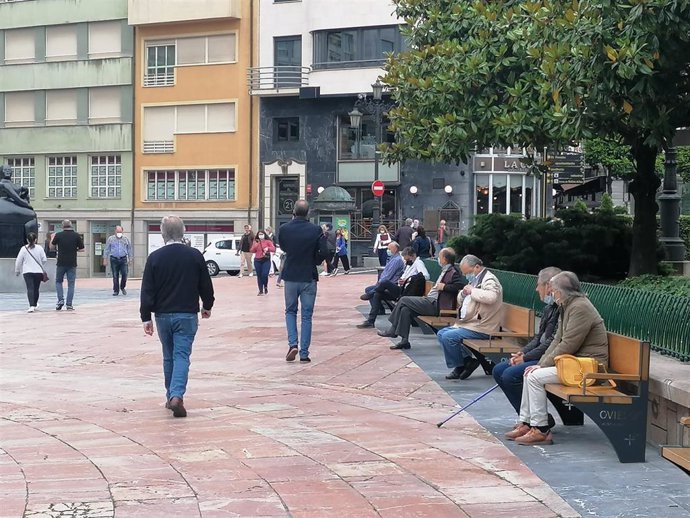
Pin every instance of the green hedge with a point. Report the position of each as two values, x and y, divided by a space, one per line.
669 285
685 233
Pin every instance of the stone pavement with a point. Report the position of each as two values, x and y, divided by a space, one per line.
84 432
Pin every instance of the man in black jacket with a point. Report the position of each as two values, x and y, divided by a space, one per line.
510 375
305 247
441 296
175 277
404 234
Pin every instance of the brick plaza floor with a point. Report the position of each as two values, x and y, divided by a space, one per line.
84 432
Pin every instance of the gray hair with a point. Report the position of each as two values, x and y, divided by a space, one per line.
471 260
172 228
547 274
409 251
395 244
408 221
568 284
66 223
448 254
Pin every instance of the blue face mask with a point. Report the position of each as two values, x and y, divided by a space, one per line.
548 299
470 277
389 253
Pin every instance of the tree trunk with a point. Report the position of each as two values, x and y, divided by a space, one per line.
643 187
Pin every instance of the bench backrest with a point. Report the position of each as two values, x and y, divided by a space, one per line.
628 356
427 287
518 319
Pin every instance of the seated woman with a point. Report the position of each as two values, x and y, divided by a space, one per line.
581 332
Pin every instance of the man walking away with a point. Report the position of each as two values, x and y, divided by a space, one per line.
68 243
305 247
404 235
175 277
245 250
118 250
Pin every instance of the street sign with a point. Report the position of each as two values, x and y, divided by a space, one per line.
568 167
377 188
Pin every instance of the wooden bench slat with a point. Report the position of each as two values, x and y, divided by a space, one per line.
677 455
592 395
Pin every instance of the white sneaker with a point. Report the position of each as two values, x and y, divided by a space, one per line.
251 274
323 273
335 272
31 309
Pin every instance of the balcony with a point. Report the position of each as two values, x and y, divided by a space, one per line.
147 12
276 81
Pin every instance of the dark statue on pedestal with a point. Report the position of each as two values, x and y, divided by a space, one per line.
17 217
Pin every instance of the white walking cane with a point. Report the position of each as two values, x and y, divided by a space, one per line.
467 406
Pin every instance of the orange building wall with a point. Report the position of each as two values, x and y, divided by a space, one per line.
199 84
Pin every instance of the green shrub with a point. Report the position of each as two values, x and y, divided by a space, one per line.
669 285
685 234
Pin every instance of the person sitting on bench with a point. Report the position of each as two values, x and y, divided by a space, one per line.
510 375
441 296
386 287
581 332
480 304
413 280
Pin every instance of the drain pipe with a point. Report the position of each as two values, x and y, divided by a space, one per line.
251 115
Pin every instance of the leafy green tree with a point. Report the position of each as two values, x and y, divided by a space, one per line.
614 156
683 160
545 73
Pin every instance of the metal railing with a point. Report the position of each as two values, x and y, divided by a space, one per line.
159 146
159 79
360 228
276 79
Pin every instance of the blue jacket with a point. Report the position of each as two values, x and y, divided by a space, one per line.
341 245
393 270
305 246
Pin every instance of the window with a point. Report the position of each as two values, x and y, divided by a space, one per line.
504 193
106 176
61 42
206 50
366 46
287 58
198 184
24 173
62 177
286 130
19 109
162 122
20 45
360 144
61 107
105 39
160 64
104 105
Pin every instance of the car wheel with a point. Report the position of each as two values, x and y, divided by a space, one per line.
212 268
233 273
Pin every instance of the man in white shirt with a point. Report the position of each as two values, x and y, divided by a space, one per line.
414 265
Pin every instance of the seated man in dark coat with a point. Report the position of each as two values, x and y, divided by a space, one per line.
441 296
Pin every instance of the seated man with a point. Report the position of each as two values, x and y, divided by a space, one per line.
581 332
386 287
510 375
413 280
480 303
441 296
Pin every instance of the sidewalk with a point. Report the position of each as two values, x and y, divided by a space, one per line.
84 432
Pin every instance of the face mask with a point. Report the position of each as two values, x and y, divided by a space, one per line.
389 253
119 234
261 236
409 263
439 262
470 277
548 299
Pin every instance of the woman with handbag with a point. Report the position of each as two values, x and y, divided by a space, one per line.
29 263
383 239
581 332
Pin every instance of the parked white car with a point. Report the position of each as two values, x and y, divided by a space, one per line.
222 255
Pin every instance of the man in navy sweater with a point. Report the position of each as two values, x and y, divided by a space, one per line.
305 246
175 277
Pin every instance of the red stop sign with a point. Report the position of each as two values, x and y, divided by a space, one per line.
377 188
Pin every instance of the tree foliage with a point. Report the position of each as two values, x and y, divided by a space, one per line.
536 73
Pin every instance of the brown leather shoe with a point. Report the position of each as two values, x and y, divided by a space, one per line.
534 436
167 405
519 430
292 353
177 407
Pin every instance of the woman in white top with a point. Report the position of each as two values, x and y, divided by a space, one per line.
383 239
29 263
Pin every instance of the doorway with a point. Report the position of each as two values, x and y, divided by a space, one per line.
100 231
286 194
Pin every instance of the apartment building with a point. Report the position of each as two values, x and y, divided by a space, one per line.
192 138
66 114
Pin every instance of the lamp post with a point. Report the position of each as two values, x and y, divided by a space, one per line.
669 202
376 106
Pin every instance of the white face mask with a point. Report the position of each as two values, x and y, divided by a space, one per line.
119 234
261 236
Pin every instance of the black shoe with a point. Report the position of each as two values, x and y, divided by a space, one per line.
59 305
290 356
69 307
387 334
260 294
382 312
265 291
305 359
470 366
365 325
124 291
454 374
115 294
365 296
552 421
177 407
403 344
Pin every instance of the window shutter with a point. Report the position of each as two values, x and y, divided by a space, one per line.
221 117
61 106
191 119
105 38
19 107
20 45
191 51
159 123
104 104
61 41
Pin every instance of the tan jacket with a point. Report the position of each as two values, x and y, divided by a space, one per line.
485 309
581 332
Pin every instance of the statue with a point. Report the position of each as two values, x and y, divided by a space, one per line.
17 216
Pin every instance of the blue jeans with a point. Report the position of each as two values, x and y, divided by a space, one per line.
262 268
510 379
305 293
119 268
451 339
176 332
71 272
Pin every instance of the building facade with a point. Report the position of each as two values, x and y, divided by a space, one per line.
193 113
66 114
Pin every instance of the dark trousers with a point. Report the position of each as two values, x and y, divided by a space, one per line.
33 286
343 259
406 309
119 269
262 268
510 378
385 290
383 256
329 261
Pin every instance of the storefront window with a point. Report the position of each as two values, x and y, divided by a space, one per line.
506 192
482 193
499 193
515 193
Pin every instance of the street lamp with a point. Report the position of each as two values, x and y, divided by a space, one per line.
376 106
